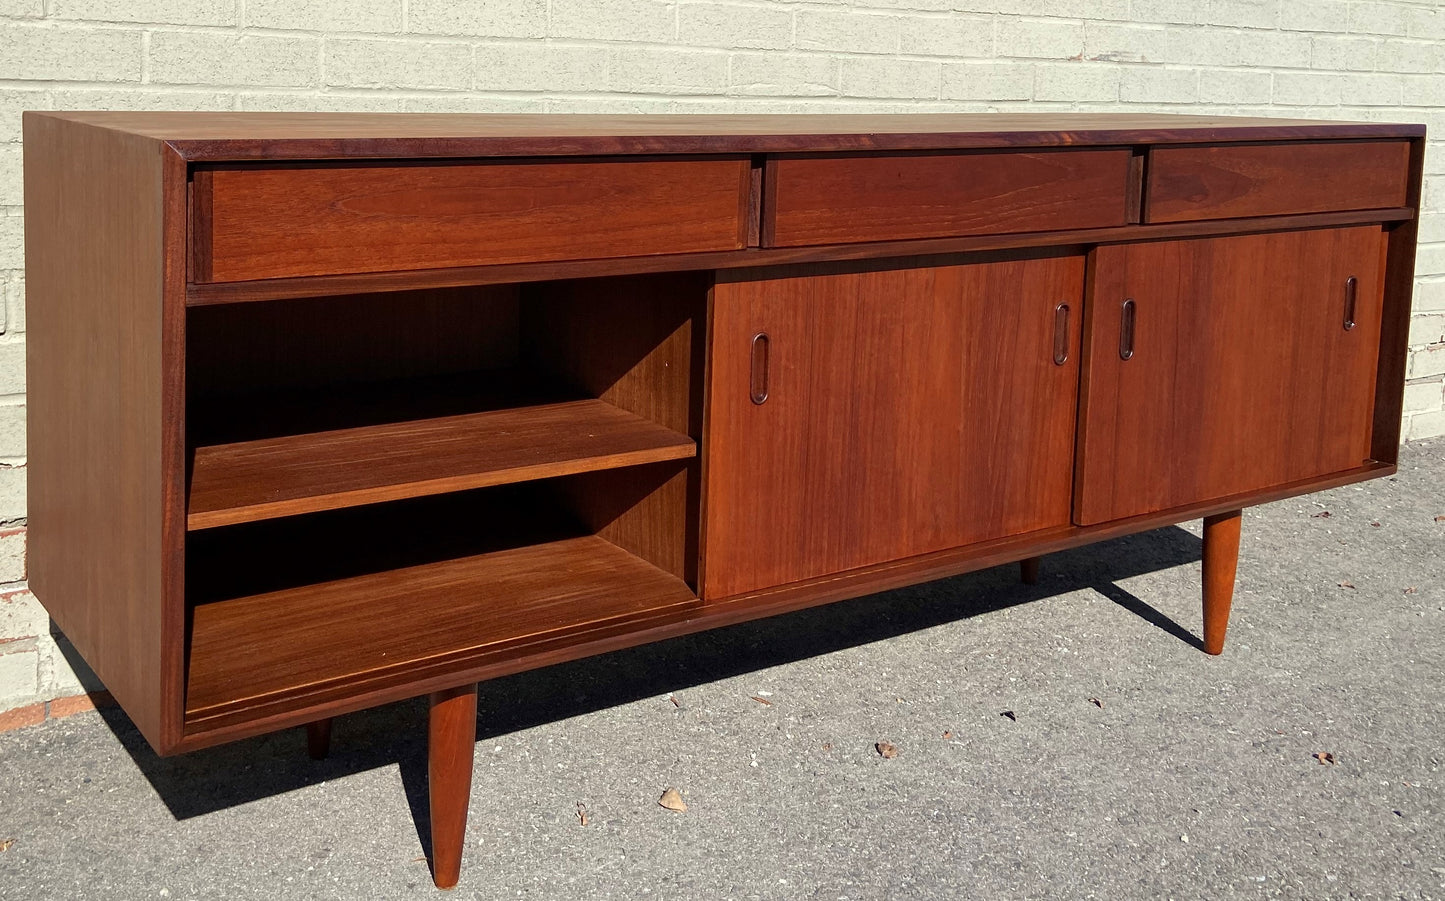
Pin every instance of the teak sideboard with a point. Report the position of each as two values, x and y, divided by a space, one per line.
328 411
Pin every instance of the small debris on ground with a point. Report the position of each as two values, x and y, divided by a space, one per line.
947 733
1440 518
1097 703
1184 839
1324 757
5 845
1347 584
886 750
674 700
1375 523
764 701
1411 590
1323 514
1011 715
582 813
827 746
672 800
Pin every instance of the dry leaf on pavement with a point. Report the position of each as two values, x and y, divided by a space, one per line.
1097 703
1411 590
582 813
764 701
948 734
1324 757
1011 715
886 750
672 800
1347 584
1323 514
5 845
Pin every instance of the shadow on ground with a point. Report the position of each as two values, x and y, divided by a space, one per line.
215 779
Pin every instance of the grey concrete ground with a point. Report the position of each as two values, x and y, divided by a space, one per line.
1194 779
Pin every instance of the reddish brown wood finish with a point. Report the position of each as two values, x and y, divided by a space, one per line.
439 614
1399 294
451 744
283 221
1188 183
105 385
1243 375
918 409
841 199
251 480
318 739
1221 556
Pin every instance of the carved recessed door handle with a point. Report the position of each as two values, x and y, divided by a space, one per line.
1126 330
1351 288
758 379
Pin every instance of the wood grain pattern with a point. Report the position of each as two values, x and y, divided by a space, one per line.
283 221
440 612
104 412
251 480
312 136
1187 183
274 289
830 200
1221 557
451 744
916 410
1399 296
1243 376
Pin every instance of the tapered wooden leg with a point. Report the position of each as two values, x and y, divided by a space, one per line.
1221 554
318 739
1029 570
450 740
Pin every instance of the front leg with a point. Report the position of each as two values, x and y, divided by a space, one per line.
451 739
1221 555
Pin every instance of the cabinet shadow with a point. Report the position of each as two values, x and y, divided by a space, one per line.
215 779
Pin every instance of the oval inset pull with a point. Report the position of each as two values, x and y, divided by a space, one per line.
1351 287
1061 334
758 382
1126 330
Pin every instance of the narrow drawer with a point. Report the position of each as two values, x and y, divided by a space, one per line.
843 199
283 221
1233 181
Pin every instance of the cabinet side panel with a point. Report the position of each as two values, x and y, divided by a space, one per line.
95 277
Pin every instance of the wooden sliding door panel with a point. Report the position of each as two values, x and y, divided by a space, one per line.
905 411
1242 375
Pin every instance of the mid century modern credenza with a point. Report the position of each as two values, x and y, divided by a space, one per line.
328 411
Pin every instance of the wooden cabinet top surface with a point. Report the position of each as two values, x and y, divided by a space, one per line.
201 137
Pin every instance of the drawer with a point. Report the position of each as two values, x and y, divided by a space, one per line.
283 221
843 199
1232 181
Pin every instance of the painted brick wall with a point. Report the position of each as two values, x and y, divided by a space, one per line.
1373 59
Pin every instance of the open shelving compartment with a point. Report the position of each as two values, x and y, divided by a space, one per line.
385 488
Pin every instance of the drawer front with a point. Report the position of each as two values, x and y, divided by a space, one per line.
279 222
835 200
1189 183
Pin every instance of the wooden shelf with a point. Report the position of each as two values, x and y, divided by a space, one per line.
265 648
281 476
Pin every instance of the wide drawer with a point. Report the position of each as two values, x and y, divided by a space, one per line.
1232 181
283 221
842 199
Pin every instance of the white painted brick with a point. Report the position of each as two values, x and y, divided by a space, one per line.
71 53
1346 54
146 97
838 32
1124 43
1371 90
1429 295
168 12
658 70
735 26
648 21
1241 13
371 16
22 9
15 303
426 65
989 81
542 67
1180 12
1039 38
1222 47
1156 85
1073 9
1425 22
1421 397
1307 88
1429 329
12 368
772 74
19 674
1426 362
12 432
925 5
472 103
1423 90
13 102
1378 18
1412 56
954 36
1076 82
1234 86
59 678
612 106
864 77
12 493
1425 425
21 615
190 57
1430 258
12 175
12 558
1314 15
515 18
284 102
12 244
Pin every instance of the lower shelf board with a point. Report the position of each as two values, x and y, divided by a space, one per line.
262 649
